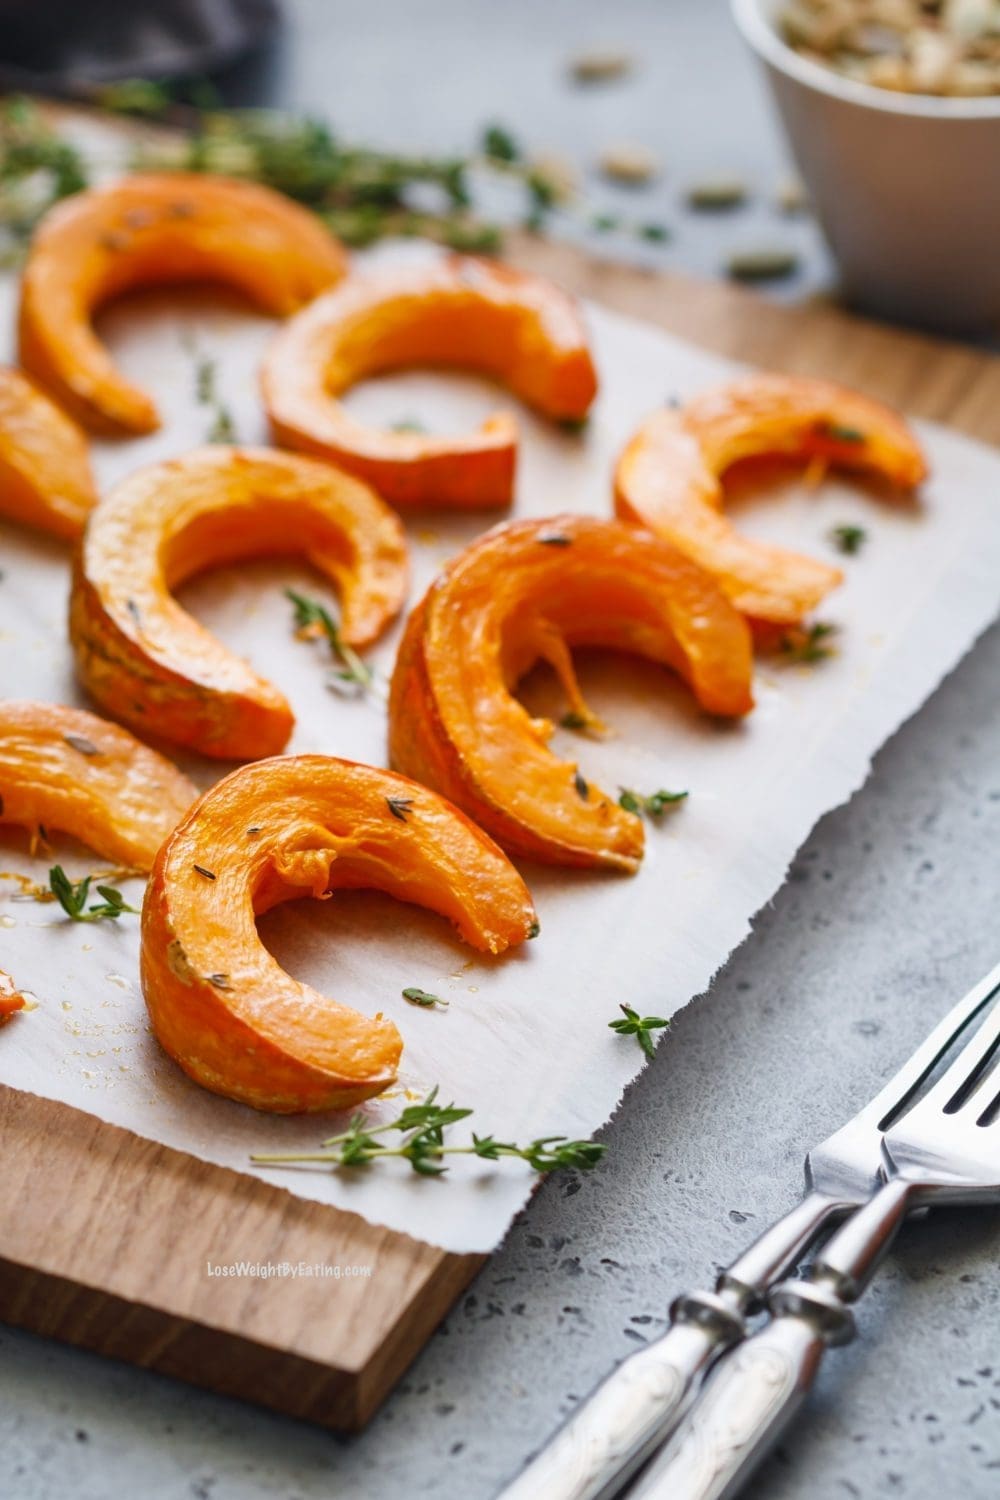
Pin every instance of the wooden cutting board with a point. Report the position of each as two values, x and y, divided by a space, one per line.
105 1238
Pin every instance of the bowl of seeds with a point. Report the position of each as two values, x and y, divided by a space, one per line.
892 111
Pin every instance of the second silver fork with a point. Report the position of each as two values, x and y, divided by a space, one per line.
634 1411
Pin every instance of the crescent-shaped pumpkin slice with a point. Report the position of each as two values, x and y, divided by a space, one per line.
45 477
460 311
530 590
65 768
145 660
303 825
144 230
669 477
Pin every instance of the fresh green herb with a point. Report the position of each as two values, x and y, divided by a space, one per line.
223 428
408 424
312 618
809 643
605 223
135 96
500 145
573 720
837 432
221 981
656 234
534 929
554 539
849 539
37 168
654 806
422 997
205 874
72 897
641 1027
399 807
422 1127
717 194
582 787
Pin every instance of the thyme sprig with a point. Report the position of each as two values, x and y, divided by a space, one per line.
653 806
641 1027
422 1127
417 996
72 897
37 168
313 618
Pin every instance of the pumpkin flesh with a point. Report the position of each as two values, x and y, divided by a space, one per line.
63 768
220 1005
146 660
531 590
45 478
669 478
146 230
460 313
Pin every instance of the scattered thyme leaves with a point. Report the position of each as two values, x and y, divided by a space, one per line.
408 424
312 618
399 807
72 897
421 997
653 806
849 539
582 786
500 145
81 743
205 874
223 428
641 1027
534 929
221 981
839 432
554 539
37 168
422 1128
809 643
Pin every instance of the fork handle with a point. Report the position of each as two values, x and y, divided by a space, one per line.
752 1397
626 1418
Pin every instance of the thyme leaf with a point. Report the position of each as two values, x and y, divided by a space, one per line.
422 997
313 618
654 805
641 1027
72 897
809 643
848 539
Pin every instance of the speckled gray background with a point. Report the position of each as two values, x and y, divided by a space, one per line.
888 913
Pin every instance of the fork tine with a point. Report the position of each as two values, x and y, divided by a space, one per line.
963 1079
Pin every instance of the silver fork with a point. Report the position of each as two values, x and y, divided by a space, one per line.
945 1148
636 1408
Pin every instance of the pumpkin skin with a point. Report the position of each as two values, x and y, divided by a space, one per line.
669 477
145 660
65 768
294 826
45 478
148 229
460 311
11 999
529 590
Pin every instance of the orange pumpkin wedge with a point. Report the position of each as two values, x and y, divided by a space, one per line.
669 477
530 590
145 230
460 311
145 660
63 768
11 999
302 825
45 477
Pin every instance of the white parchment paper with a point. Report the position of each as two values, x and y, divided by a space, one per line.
525 1038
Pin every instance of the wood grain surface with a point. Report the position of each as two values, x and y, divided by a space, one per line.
105 1238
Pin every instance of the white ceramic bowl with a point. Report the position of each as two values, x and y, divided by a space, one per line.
906 186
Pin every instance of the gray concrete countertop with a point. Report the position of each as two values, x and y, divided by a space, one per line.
887 914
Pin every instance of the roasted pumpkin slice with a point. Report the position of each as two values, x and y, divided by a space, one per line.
669 477
11 999
528 591
460 311
145 660
45 477
62 768
147 229
303 825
